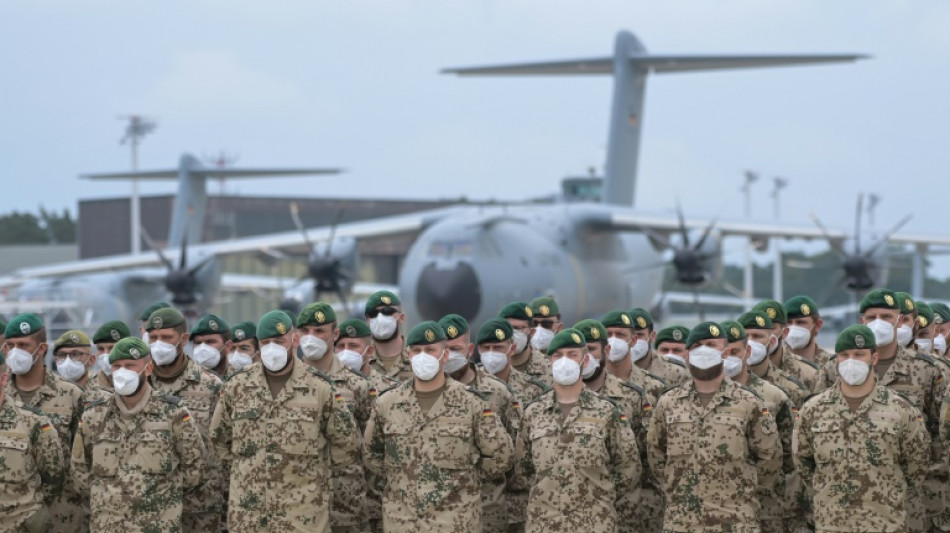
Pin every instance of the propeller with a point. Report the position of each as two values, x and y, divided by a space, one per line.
182 282
327 271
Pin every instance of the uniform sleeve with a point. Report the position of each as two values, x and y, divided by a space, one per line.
364 404
825 376
374 443
786 426
765 448
341 432
49 460
493 442
80 460
524 470
656 445
624 454
190 447
222 426
934 401
803 451
915 449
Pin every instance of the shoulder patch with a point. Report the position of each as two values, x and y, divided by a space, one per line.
93 403
484 395
321 375
170 398
634 387
925 357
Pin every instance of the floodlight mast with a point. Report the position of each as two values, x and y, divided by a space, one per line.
137 128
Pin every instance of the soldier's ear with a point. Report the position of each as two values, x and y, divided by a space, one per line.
818 324
336 335
471 350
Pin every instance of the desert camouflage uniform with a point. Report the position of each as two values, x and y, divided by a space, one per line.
92 393
401 370
61 402
796 391
798 367
577 466
434 463
822 356
861 464
137 466
653 386
527 388
538 367
282 450
32 466
672 372
711 460
198 389
374 484
348 509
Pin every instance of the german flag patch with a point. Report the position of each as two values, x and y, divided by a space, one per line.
46 427
647 407
487 413
373 392
339 397
186 417
516 405
623 417
765 410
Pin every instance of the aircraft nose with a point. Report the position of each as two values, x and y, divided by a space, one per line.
440 291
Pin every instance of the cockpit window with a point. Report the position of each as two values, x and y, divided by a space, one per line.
451 249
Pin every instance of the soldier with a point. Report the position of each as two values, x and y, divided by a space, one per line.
244 348
4 369
926 330
859 445
138 455
104 339
761 340
143 318
526 359
498 364
211 338
316 326
576 450
942 319
712 444
545 322
283 427
639 509
780 509
670 344
801 333
72 354
58 399
32 469
434 441
384 316
781 356
907 323
641 351
620 333
198 389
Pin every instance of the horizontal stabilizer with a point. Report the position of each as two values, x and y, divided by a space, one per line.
172 174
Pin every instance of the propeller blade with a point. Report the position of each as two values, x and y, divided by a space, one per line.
151 244
706 232
194 270
183 260
836 246
880 242
295 215
682 221
857 225
339 216
342 295
699 307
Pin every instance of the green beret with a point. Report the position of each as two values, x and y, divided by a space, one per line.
354 328
428 332
734 331
379 298
544 307
703 331
494 330
593 330
801 306
755 320
454 326
3 327
617 319
568 338
111 331
128 348
164 318
853 337
676 334
879 298
210 324
152 308
517 311
72 338
642 319
906 302
23 326
243 331
274 324
941 312
774 310
925 314
316 314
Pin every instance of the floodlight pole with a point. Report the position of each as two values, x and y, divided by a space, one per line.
747 280
136 129
777 288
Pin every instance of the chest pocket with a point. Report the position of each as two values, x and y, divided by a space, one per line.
200 405
454 447
397 435
304 436
152 452
680 434
586 444
883 441
828 441
246 426
15 462
910 390
105 456
727 432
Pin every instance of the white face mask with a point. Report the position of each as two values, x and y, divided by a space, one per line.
350 359
673 357
382 327
239 360
494 362
20 361
313 347
521 341
455 362
732 365
273 356
618 349
704 357
206 356
757 354
798 337
163 353
104 366
590 367
71 370
853 372
940 344
883 331
542 338
565 371
904 335
639 350
425 367
125 382
924 345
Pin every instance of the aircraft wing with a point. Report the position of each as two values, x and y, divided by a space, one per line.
172 173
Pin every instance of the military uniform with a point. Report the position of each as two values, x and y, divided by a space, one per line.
434 463
861 463
577 466
538 367
527 389
32 467
375 484
672 372
137 465
798 367
400 370
710 459
796 391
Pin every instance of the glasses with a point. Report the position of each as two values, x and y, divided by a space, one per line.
388 311
546 324
74 355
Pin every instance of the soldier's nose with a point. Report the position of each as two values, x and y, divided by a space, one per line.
443 290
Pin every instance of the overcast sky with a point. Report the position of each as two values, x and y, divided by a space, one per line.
356 84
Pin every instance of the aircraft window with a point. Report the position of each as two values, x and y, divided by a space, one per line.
449 249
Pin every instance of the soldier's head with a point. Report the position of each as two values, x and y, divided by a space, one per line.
643 325
354 347
545 321
143 318
856 354
737 348
907 323
568 352
105 338
167 333
880 311
384 315
458 342
942 322
518 315
804 321
926 327
671 341
705 343
244 343
73 355
595 336
622 337
131 366
211 337
316 326
776 313
427 351
761 338
278 340
24 343
495 345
